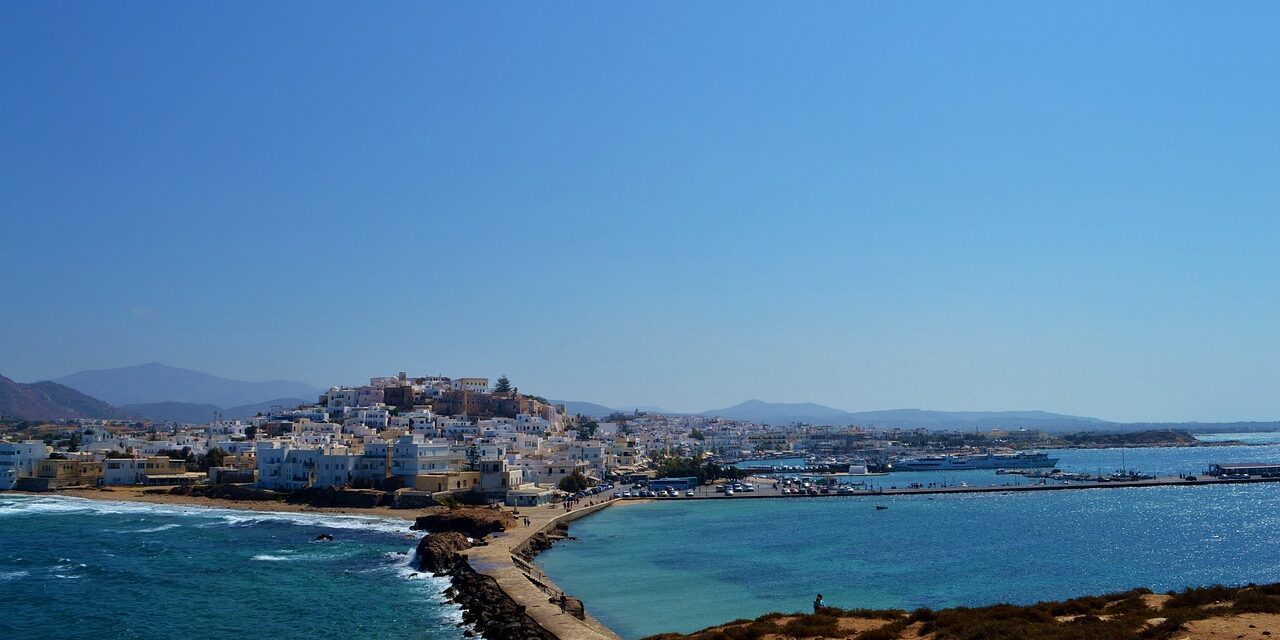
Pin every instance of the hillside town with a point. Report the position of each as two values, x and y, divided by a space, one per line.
432 439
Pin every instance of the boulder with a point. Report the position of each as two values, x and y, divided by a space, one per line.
439 552
473 522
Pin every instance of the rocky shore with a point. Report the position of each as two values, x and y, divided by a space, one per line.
503 595
485 606
486 552
474 522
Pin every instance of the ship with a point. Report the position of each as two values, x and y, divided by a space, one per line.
1019 460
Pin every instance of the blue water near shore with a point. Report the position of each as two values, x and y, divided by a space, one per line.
74 568
681 566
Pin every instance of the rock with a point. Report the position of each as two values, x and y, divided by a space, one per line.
439 552
473 522
330 497
324 537
227 492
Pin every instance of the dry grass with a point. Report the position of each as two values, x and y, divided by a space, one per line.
1130 615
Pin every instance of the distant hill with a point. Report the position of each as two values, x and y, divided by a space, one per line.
157 383
779 413
189 412
590 409
912 418
597 411
51 401
783 413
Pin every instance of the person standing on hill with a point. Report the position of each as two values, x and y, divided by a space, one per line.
817 603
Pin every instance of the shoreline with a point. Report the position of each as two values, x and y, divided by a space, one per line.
507 559
138 494
494 558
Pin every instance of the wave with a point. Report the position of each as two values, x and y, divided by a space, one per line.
163 527
13 575
262 557
22 505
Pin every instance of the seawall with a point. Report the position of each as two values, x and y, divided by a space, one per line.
504 560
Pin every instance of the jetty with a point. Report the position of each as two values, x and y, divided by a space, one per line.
505 558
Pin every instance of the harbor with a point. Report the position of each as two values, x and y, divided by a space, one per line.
762 487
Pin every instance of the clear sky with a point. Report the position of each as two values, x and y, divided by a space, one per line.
985 205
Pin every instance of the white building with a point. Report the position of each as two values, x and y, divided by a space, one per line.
18 460
476 385
532 424
413 455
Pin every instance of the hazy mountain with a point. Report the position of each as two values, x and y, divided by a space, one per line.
645 408
808 412
980 419
590 409
782 413
50 401
157 383
188 412
594 410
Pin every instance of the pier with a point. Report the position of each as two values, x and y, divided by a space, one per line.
525 583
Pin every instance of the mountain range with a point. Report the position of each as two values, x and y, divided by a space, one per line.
783 413
152 391
171 394
51 401
155 382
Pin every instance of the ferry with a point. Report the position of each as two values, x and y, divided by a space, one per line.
1019 460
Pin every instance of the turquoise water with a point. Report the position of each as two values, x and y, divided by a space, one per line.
73 568
682 566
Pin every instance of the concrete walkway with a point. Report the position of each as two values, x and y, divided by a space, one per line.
496 560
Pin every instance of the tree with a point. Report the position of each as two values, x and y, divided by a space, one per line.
212 458
503 386
697 435
250 432
574 483
587 430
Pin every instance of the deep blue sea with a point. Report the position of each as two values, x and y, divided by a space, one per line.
682 566
74 568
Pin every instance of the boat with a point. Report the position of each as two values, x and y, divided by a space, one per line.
881 507
1019 460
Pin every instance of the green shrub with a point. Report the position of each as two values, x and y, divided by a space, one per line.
1255 601
818 624
1198 597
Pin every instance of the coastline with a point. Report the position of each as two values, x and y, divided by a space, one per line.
495 559
503 559
138 494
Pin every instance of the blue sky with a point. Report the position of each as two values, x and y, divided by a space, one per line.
1060 206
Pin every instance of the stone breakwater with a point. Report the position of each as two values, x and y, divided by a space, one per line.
485 605
487 556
